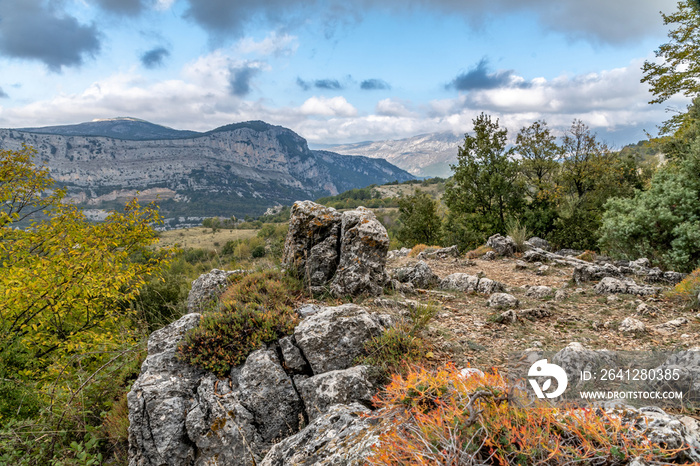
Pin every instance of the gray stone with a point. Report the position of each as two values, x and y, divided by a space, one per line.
292 357
536 242
520 265
630 325
613 285
672 325
489 256
503 301
440 254
343 436
312 225
363 246
560 295
512 315
420 275
536 255
587 273
208 287
268 393
332 338
308 309
539 292
503 246
468 283
575 358
397 253
160 399
335 387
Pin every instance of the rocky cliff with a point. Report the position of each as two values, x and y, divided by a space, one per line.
233 170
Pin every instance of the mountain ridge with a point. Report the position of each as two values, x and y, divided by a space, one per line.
238 169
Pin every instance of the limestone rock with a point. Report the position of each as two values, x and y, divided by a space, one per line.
335 387
613 285
442 253
575 358
396 253
503 301
672 325
208 286
467 283
503 246
293 359
269 394
539 292
333 337
160 399
311 246
420 275
630 325
536 242
363 246
342 436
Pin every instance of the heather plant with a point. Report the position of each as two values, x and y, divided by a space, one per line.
256 309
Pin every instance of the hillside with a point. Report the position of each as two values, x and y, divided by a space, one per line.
238 169
423 155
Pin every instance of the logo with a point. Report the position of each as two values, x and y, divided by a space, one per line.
542 369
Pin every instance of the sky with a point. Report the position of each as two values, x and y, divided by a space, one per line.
334 71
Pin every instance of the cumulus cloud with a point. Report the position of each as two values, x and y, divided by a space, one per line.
154 57
122 7
393 107
323 106
480 77
32 29
374 84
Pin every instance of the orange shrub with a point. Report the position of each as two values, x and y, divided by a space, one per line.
478 252
587 255
688 289
441 417
418 248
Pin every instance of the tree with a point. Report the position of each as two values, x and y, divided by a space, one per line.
62 278
540 155
679 72
420 222
484 188
662 223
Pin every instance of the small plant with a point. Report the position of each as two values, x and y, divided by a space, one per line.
587 255
478 252
400 344
443 417
418 248
518 233
688 290
256 309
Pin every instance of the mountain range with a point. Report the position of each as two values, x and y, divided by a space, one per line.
424 155
238 169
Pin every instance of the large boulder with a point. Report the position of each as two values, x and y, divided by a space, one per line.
470 283
502 245
346 252
333 337
311 248
420 275
342 436
160 399
610 285
335 387
364 244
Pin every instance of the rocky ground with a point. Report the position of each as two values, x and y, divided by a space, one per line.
466 330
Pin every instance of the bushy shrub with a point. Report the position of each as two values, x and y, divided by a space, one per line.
256 309
688 290
662 223
443 417
478 252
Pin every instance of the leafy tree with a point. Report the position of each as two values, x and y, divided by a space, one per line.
540 169
484 188
420 222
662 223
62 278
679 71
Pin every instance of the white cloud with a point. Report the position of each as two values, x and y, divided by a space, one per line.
324 106
273 44
393 107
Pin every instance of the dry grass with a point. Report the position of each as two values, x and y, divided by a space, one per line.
203 238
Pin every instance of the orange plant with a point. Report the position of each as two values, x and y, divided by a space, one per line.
443 417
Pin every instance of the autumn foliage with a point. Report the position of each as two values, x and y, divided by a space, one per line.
444 417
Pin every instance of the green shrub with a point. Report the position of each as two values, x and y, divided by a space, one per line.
258 251
256 309
662 223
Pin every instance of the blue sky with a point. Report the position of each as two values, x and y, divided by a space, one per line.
333 71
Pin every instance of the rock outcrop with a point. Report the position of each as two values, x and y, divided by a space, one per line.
182 416
345 253
208 287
